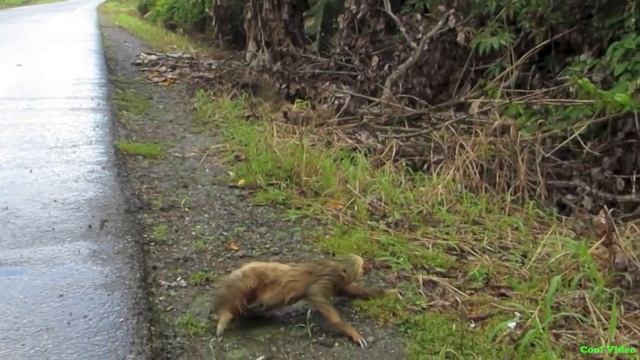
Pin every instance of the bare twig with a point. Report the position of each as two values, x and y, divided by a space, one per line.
444 283
534 101
407 64
399 25
530 53
374 99
328 72
630 198
464 70
209 151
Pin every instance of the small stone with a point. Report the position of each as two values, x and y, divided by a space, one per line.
326 342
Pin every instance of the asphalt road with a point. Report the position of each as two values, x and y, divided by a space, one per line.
69 275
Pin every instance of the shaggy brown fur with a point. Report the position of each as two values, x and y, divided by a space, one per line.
268 285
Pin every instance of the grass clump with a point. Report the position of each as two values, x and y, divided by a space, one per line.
192 325
147 150
200 278
159 232
517 267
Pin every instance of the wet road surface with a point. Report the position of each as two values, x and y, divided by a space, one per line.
68 271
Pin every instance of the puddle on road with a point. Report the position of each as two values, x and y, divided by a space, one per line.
10 272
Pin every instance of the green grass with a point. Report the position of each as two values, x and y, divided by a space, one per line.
192 325
456 242
159 232
123 13
5 4
201 245
147 150
200 278
131 102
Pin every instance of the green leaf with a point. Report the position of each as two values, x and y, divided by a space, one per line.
617 54
623 99
613 321
620 68
551 293
321 18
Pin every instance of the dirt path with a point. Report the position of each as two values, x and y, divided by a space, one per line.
190 215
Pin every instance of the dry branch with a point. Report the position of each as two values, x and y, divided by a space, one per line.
399 25
629 198
410 62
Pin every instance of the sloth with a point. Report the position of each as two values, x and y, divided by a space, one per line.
268 286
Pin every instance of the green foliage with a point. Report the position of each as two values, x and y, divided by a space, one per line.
321 20
607 84
479 276
144 6
180 14
618 71
491 39
623 60
124 15
610 101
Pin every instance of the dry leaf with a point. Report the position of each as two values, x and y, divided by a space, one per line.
600 223
334 205
233 246
475 107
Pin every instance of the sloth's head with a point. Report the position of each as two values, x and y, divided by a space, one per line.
353 266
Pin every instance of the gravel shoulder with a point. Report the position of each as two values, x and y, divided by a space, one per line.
196 228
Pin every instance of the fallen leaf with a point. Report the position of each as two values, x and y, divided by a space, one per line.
233 246
475 107
157 78
335 205
600 223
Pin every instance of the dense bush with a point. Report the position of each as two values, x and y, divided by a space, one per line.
566 73
144 6
182 15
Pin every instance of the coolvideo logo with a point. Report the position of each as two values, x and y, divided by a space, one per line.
608 349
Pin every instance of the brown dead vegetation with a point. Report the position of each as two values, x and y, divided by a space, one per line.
407 87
